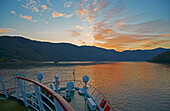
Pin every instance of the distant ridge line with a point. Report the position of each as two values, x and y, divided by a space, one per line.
17 47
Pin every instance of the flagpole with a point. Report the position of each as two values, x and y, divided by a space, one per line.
74 75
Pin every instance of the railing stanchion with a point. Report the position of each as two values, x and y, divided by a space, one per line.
93 92
37 93
18 89
57 105
16 74
23 93
97 96
4 88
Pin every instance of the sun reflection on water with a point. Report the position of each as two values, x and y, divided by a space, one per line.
128 85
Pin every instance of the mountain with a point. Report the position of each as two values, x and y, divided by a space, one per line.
30 50
161 58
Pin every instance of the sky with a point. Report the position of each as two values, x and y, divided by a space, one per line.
111 24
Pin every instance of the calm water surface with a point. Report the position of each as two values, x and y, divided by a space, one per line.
130 86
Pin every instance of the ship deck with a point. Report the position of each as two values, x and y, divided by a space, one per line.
8 105
77 101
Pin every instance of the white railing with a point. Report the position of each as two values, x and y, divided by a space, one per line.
36 95
3 88
39 96
93 92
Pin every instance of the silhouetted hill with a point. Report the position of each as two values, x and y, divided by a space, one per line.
26 49
161 58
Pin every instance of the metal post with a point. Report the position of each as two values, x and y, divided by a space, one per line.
23 75
97 96
57 105
38 95
18 89
74 75
23 93
56 82
85 97
4 88
16 74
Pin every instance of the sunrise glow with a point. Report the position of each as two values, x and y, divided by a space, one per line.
111 24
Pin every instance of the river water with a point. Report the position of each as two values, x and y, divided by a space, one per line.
129 86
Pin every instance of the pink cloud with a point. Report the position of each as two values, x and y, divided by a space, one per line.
57 14
68 16
44 7
13 12
26 17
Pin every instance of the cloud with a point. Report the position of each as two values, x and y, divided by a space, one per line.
48 1
101 5
26 17
89 10
148 27
5 30
152 43
74 33
34 20
25 6
57 14
44 7
67 4
35 8
81 12
112 26
78 27
119 25
105 36
68 16
164 35
13 12
46 22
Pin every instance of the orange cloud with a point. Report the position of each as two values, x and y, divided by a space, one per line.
13 12
119 25
165 35
35 9
56 14
24 6
74 33
5 30
152 43
78 27
44 7
81 12
26 17
107 37
68 16
112 28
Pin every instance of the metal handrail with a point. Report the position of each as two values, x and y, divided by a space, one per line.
95 89
59 99
51 92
